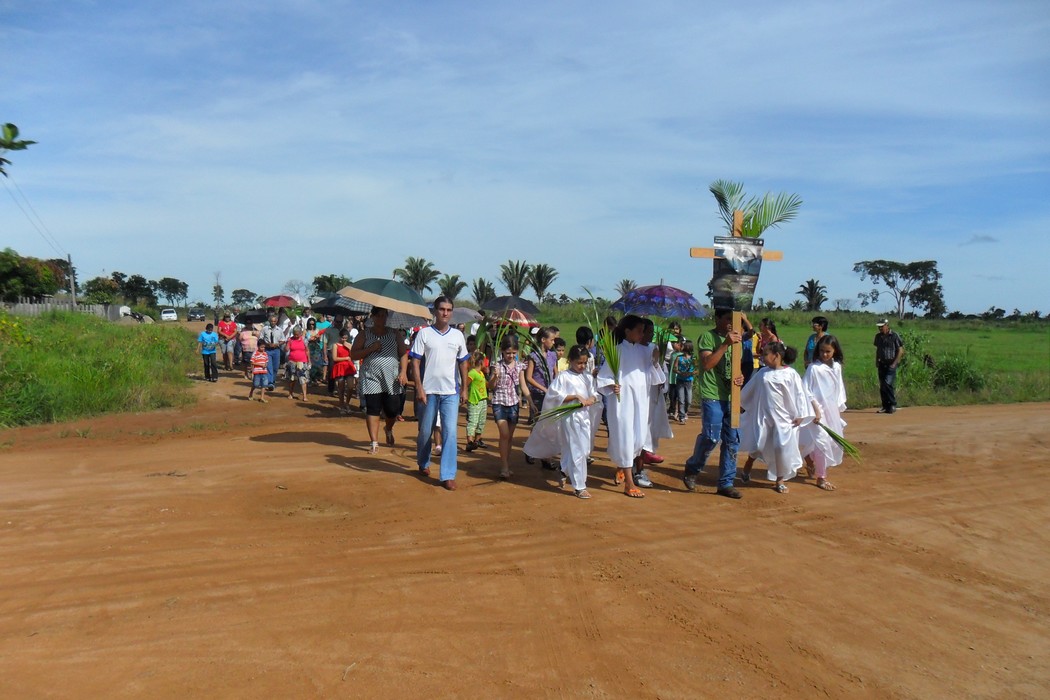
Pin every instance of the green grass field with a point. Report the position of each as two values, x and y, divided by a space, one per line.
1013 358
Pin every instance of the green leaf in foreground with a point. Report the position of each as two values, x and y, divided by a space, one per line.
848 447
559 411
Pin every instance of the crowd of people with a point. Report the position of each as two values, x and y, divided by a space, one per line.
634 386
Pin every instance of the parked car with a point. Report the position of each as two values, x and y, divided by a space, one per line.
196 315
168 315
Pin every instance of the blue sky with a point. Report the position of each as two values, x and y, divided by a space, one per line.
272 141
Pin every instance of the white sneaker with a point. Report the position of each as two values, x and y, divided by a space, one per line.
642 479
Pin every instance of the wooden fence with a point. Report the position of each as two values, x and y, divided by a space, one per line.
36 307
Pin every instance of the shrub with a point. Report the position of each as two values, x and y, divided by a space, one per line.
956 372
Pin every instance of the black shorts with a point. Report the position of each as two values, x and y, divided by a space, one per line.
376 404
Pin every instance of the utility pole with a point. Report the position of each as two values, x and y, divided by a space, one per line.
72 280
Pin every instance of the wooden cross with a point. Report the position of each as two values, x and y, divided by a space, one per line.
772 255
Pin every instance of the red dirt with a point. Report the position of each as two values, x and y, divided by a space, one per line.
234 549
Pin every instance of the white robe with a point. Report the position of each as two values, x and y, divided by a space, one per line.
825 385
659 424
628 417
571 435
772 399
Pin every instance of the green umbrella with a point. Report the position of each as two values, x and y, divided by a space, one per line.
389 294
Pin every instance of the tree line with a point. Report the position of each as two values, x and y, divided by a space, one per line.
914 285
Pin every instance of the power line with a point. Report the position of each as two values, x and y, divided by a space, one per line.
38 223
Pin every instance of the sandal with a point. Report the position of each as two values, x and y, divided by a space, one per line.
634 493
562 479
389 436
582 493
620 478
826 485
780 488
373 448
529 460
505 474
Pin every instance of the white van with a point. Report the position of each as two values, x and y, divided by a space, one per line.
168 315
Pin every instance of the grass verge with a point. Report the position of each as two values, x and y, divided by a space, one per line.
61 366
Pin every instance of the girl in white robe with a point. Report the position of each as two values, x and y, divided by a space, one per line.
659 425
572 435
775 405
823 381
627 400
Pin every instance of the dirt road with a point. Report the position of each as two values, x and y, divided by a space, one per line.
238 550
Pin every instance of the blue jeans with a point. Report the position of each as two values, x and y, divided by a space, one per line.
717 419
887 378
448 406
274 356
685 397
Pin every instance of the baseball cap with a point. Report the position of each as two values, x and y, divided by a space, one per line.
883 322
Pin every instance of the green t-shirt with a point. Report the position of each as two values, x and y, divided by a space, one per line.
717 382
477 391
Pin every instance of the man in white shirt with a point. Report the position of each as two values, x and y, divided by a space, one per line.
437 353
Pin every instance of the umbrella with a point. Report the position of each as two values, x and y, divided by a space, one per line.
389 294
338 305
660 300
252 316
280 300
396 319
506 303
463 314
516 316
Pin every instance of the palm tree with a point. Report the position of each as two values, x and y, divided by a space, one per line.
482 290
626 286
541 277
451 286
814 293
515 276
759 214
418 273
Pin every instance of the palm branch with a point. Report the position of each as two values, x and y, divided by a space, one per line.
771 211
759 215
559 412
847 447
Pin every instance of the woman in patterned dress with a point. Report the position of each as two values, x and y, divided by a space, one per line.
382 375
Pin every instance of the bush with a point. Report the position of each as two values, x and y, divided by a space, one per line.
956 372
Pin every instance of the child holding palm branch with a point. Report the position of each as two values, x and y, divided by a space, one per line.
566 426
624 379
823 381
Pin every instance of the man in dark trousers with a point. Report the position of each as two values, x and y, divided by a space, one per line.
889 349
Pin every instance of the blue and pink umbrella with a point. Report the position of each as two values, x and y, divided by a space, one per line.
660 300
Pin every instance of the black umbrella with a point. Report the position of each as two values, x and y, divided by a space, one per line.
338 305
509 303
253 315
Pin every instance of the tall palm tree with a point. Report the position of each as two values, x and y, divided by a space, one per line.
814 293
541 277
626 286
759 214
515 276
418 273
482 290
450 286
